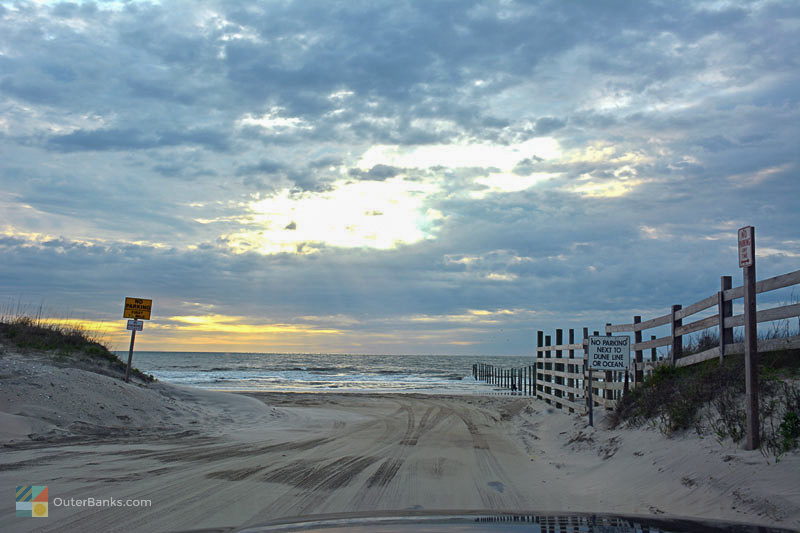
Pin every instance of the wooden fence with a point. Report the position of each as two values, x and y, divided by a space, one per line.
519 380
559 375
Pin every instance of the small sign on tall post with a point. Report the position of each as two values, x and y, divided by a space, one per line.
138 309
747 261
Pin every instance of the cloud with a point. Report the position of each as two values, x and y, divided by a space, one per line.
547 125
264 166
373 214
371 163
378 172
116 139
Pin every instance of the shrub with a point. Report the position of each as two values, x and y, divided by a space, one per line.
712 395
789 430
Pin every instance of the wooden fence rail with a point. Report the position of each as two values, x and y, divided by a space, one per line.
559 375
723 321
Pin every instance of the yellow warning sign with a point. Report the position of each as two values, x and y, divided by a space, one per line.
138 308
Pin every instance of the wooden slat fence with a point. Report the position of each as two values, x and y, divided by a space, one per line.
559 375
723 321
519 380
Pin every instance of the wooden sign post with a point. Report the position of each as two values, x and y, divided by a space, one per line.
747 261
589 398
138 309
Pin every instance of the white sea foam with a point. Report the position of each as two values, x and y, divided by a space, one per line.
320 372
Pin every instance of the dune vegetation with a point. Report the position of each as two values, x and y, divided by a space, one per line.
65 343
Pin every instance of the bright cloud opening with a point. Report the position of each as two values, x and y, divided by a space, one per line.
273 121
504 182
595 188
460 155
354 214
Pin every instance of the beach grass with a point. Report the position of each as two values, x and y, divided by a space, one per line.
67 342
709 397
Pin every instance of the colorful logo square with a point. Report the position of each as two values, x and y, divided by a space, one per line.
32 501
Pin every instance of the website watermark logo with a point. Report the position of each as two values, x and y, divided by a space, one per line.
100 502
32 501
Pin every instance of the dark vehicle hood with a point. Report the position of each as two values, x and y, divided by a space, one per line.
473 521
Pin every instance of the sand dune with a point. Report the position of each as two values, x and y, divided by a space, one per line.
209 459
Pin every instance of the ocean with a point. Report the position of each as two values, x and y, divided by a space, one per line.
430 374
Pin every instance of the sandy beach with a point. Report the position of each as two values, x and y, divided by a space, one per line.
214 460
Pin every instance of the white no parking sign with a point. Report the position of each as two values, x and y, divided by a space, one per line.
609 353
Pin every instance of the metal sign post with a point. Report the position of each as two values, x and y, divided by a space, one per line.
138 309
130 353
747 261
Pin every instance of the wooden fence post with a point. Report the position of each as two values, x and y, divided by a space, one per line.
539 357
588 384
725 310
638 372
527 377
559 366
677 340
531 376
751 348
530 381
653 351
548 378
571 367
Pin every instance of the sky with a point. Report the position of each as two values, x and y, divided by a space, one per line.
390 177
